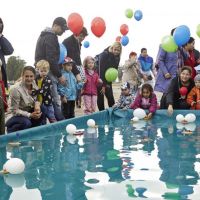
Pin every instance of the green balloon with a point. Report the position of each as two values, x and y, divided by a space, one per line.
111 74
168 44
198 30
129 13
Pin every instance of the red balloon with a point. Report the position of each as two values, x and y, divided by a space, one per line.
118 39
75 23
98 26
183 91
124 29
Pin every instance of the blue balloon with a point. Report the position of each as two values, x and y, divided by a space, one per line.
181 35
86 44
124 40
63 53
138 15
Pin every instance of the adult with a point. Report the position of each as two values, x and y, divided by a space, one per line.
169 64
146 67
193 55
131 73
173 98
73 45
23 109
110 57
5 50
47 48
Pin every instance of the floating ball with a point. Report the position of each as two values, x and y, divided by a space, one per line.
14 166
111 74
183 91
180 118
91 123
71 128
135 119
190 117
139 113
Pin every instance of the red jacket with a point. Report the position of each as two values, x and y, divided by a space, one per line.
92 81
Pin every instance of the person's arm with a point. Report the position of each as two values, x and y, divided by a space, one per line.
190 97
5 46
136 103
154 104
15 99
172 89
103 62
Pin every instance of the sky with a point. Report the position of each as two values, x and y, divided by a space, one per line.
24 20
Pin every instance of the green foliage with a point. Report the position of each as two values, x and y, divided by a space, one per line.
14 67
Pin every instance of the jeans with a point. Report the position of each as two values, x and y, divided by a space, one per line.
56 98
49 113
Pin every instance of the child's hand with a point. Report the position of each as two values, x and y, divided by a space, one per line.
37 108
103 90
170 110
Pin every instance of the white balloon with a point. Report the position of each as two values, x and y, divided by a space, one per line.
71 128
190 127
139 113
179 118
90 122
190 117
15 180
135 119
14 166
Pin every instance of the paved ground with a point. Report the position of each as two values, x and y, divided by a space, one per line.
116 92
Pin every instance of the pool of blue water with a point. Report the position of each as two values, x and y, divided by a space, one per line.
119 160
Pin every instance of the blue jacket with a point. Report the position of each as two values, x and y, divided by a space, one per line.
5 50
69 91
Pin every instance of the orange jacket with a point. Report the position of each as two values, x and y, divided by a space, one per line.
194 96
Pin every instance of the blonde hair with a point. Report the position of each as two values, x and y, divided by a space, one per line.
86 60
42 64
115 45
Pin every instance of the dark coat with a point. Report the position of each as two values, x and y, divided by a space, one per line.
5 50
47 48
173 97
106 60
73 49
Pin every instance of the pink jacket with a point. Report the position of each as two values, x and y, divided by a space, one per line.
92 81
138 100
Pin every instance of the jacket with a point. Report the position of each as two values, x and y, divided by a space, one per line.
47 48
194 96
92 81
124 101
138 103
5 50
69 91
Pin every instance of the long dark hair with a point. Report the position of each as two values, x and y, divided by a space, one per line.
148 87
28 68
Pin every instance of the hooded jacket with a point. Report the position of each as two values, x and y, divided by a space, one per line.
47 48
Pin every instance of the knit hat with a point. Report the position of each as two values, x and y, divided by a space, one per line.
126 85
61 22
197 77
68 60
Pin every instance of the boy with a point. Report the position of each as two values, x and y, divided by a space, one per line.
44 93
68 93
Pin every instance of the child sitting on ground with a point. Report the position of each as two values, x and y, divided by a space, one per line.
68 93
125 98
193 97
146 99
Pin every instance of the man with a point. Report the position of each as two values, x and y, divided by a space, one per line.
73 46
47 48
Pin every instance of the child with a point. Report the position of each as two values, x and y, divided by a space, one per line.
146 100
68 93
125 99
44 93
193 97
90 87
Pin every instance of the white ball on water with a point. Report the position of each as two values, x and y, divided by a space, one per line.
139 113
179 118
14 166
90 122
71 129
135 119
190 117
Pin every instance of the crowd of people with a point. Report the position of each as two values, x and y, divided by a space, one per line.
51 90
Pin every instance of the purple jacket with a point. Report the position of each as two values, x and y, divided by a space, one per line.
167 63
90 87
138 103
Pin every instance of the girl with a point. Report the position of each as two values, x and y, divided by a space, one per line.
90 87
146 100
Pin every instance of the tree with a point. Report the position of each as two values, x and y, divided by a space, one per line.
14 67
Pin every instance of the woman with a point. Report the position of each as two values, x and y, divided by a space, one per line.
110 57
172 99
23 109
